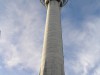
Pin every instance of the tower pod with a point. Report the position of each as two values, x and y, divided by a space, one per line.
62 2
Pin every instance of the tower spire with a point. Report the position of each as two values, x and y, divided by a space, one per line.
52 62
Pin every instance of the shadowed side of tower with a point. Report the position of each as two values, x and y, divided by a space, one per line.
52 62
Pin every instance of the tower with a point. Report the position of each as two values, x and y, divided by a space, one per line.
52 62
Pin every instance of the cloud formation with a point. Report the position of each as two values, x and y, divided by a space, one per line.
21 37
83 47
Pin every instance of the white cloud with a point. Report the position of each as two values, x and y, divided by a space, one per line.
21 36
87 46
9 54
97 71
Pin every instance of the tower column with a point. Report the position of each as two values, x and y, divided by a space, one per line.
52 55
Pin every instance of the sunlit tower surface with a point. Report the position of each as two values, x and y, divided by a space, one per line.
52 62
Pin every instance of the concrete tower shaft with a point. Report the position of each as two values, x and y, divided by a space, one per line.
52 62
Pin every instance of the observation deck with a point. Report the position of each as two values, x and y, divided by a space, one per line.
62 2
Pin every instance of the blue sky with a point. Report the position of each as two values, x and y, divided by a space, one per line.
22 25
